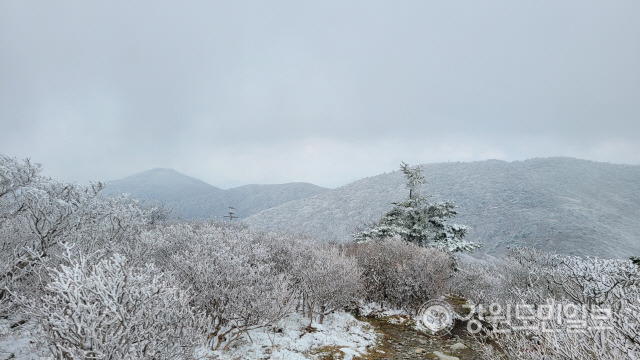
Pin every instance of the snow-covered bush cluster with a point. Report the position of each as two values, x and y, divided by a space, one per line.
401 275
38 215
572 307
114 309
108 278
69 261
230 271
327 279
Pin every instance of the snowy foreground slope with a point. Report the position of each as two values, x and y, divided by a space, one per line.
571 206
289 339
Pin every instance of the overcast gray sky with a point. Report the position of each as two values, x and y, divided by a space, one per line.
326 92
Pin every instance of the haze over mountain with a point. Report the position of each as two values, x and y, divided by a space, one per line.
192 198
563 204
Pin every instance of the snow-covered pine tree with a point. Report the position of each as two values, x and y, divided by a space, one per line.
418 221
414 177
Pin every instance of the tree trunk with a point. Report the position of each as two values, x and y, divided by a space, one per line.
322 310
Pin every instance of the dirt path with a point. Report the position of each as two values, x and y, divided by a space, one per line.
402 342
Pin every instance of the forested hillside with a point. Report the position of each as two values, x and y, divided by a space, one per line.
567 205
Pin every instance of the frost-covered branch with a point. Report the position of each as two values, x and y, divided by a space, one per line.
112 309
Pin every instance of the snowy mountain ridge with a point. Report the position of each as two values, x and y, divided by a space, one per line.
192 198
571 206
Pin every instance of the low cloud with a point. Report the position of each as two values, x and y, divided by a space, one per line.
328 93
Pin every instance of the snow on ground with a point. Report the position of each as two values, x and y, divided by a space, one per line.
20 342
377 310
291 340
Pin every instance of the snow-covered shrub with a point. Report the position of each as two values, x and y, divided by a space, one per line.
229 269
502 280
599 297
321 277
626 322
38 214
16 268
113 225
570 331
284 251
399 274
15 176
113 309
327 279
56 213
604 283
594 280
60 212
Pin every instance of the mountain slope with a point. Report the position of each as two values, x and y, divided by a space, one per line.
163 184
567 205
192 198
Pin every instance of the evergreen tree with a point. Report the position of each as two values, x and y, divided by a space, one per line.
414 178
418 221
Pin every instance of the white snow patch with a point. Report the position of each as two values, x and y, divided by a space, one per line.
290 340
20 342
377 310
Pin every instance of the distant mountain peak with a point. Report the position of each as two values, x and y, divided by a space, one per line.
163 185
161 170
193 198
